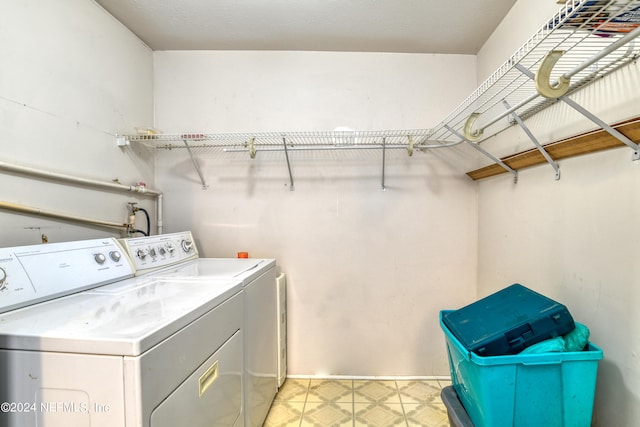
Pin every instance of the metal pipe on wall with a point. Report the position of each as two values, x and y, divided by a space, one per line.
113 186
58 215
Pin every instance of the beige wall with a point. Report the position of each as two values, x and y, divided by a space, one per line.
367 270
72 77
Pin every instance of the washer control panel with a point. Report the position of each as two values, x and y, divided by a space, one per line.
151 253
32 274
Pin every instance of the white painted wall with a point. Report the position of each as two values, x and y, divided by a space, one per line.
574 239
524 20
367 271
72 77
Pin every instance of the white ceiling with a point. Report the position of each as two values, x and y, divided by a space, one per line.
412 26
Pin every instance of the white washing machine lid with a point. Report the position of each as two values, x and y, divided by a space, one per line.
124 318
245 269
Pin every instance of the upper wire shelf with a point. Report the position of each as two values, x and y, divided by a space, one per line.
582 31
585 40
276 141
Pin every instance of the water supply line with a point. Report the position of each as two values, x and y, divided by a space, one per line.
112 186
131 226
59 215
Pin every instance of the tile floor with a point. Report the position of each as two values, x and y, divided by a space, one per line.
375 403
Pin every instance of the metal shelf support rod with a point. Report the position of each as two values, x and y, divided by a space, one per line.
195 164
533 139
485 152
286 155
383 161
622 138
334 148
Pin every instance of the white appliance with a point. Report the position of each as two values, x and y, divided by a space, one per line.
258 278
130 352
281 282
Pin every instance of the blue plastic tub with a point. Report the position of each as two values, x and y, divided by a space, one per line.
529 390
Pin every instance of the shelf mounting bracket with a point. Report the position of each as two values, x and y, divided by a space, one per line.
486 153
615 133
195 165
533 139
384 150
589 115
286 155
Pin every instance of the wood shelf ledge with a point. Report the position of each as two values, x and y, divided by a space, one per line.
589 142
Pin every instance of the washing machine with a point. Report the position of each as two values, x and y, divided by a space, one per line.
85 343
258 277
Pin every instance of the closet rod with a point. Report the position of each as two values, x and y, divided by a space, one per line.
346 147
604 52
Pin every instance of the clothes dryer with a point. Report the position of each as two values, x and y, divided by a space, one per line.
258 277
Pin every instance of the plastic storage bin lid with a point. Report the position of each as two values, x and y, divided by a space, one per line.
508 321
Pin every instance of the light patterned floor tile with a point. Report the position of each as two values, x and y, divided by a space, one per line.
378 415
419 391
330 391
426 415
293 390
358 403
328 414
375 391
284 414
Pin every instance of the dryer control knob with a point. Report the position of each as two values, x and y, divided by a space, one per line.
187 245
115 255
100 258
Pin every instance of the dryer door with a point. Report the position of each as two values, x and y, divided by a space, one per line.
211 396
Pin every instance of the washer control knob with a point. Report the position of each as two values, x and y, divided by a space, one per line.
187 245
100 258
152 252
170 247
141 253
162 250
115 255
3 278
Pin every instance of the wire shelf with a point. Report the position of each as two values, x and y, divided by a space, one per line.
272 141
585 40
582 30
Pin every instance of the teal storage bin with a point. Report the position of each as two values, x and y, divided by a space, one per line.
528 390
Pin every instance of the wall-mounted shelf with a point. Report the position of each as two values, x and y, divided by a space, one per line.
252 143
578 30
276 141
584 41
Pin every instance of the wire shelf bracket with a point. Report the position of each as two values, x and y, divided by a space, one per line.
486 153
196 165
533 139
286 155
